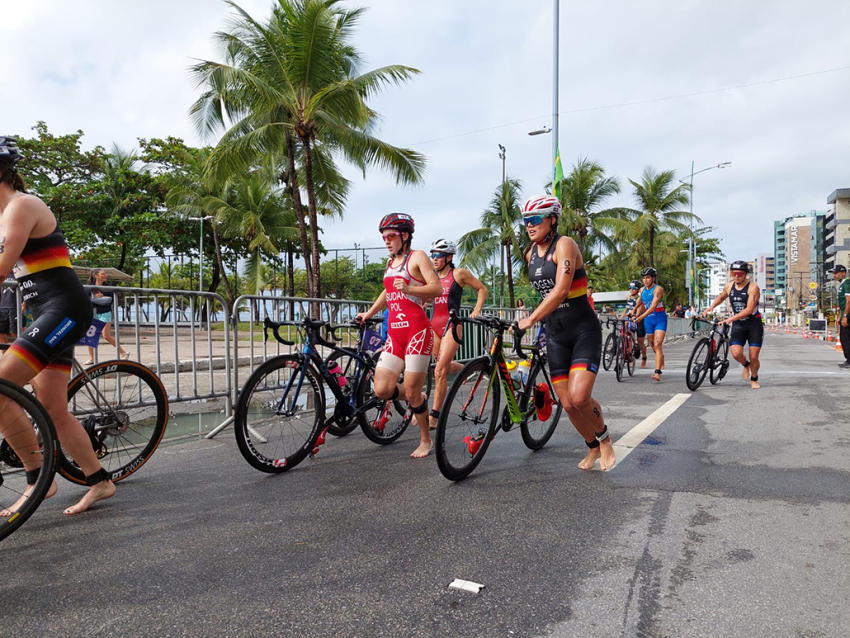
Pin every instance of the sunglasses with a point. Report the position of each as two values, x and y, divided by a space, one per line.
738 272
389 236
435 255
532 219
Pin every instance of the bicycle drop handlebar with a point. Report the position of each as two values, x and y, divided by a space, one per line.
314 327
489 321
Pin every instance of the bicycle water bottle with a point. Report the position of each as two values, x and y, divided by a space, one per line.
334 369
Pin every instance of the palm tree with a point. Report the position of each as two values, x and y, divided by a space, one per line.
581 193
658 208
289 87
501 229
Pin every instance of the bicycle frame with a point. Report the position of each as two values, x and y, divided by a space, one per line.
514 398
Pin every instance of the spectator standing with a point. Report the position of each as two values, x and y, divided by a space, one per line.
839 273
8 314
103 311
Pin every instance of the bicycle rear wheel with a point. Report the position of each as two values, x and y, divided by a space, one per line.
698 364
630 356
721 361
619 358
537 427
383 421
341 426
30 425
276 422
608 351
123 407
468 419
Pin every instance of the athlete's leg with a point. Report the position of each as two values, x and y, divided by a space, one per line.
657 341
755 364
418 402
445 365
50 388
585 413
737 352
642 344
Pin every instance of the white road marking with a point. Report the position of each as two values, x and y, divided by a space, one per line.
634 437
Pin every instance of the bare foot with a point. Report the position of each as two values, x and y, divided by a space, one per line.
745 373
99 492
607 461
656 377
754 385
589 461
8 511
643 363
422 451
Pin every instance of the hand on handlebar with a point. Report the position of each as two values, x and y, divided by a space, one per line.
524 324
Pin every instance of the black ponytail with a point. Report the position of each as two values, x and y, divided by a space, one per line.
10 176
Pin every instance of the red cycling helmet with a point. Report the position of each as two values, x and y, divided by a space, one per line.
401 222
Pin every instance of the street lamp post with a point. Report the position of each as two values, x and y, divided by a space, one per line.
692 247
201 250
502 156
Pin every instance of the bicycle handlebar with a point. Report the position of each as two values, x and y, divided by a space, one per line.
492 322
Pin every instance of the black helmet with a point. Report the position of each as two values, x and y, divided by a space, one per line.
401 222
9 149
740 265
634 283
648 272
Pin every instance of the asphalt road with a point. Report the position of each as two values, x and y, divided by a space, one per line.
731 519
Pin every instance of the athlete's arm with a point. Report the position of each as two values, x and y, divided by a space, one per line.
19 218
466 278
432 288
380 304
846 308
568 258
723 294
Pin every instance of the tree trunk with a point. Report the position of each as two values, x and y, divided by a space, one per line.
222 271
510 275
294 189
290 268
314 222
652 247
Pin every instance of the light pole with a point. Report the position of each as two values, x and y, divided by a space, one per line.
692 247
502 155
556 23
201 250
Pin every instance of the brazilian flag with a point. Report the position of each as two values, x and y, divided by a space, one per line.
559 173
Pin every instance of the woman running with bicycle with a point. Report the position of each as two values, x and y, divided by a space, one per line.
746 323
408 281
453 281
32 244
651 311
573 333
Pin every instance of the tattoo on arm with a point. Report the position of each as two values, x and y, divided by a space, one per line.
568 268
2 244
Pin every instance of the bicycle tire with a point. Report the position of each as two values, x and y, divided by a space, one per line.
720 363
383 423
608 351
269 441
536 432
461 440
630 356
619 359
698 364
12 477
124 408
348 364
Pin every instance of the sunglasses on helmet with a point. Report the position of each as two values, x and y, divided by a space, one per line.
532 219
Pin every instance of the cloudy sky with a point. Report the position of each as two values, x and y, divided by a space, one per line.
763 85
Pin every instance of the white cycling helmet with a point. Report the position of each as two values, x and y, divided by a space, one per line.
444 246
542 205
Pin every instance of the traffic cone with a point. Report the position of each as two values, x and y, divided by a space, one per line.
838 344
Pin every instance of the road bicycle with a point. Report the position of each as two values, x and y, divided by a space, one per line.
709 356
610 347
470 416
282 413
123 407
624 355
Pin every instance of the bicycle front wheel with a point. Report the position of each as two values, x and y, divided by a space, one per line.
543 410
698 364
609 351
468 419
123 407
619 358
26 425
382 420
279 414
721 362
630 356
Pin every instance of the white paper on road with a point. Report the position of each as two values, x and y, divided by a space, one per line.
466 585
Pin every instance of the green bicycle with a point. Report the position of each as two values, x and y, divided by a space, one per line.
468 420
